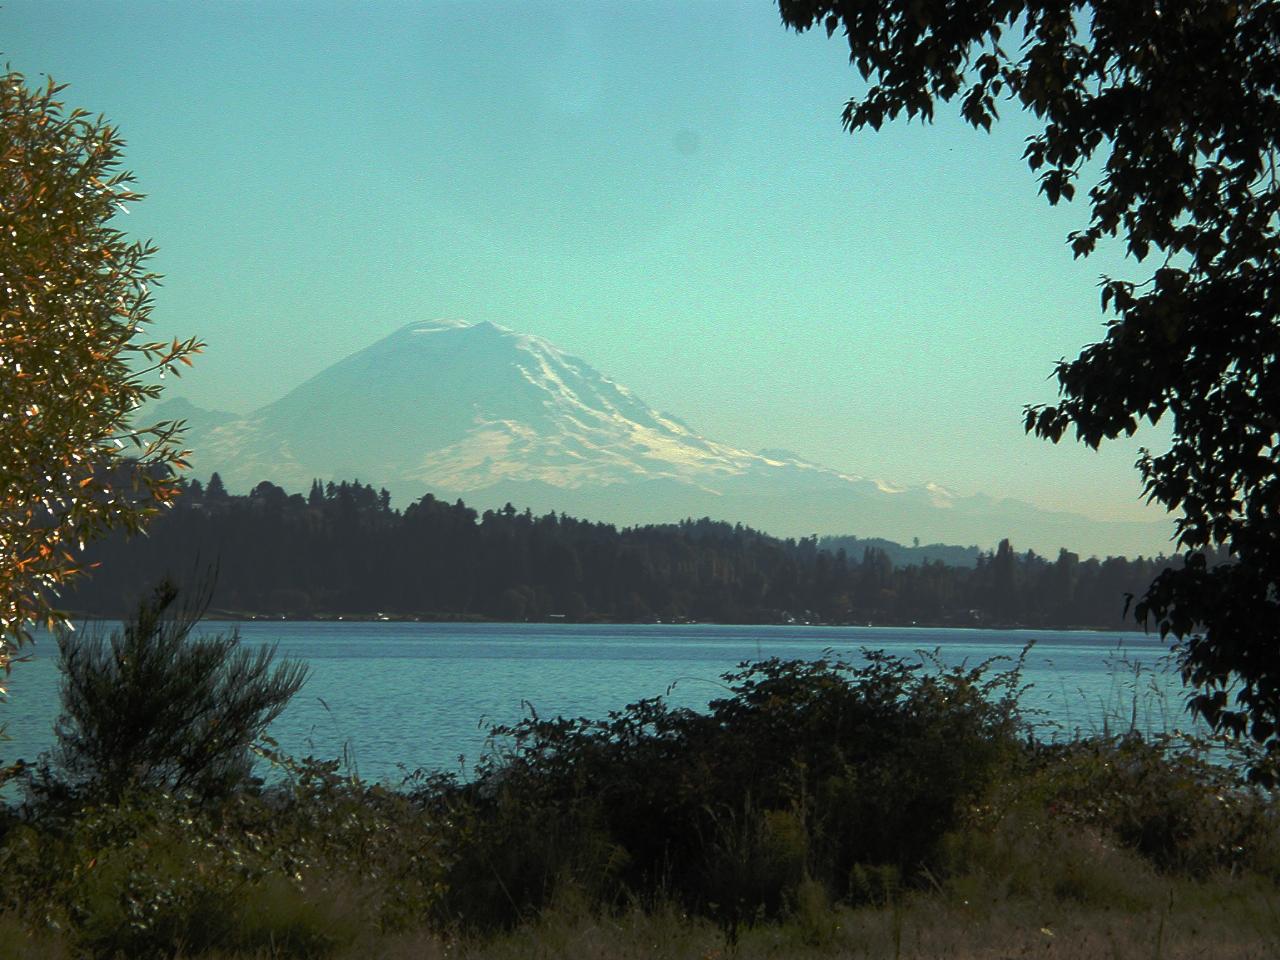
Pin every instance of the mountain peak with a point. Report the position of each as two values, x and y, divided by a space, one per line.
447 405
426 334
480 411
436 325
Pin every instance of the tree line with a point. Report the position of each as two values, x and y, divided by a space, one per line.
342 550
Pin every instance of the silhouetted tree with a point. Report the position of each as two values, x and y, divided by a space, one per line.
1174 106
216 491
351 554
155 709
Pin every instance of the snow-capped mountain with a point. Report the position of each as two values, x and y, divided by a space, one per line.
480 412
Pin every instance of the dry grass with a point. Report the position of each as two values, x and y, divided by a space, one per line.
1226 920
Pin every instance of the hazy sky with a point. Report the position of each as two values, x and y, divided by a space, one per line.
663 189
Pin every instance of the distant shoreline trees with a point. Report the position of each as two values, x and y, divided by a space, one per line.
343 551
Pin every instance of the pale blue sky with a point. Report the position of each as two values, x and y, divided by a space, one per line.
663 189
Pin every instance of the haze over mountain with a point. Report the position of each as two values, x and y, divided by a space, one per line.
490 415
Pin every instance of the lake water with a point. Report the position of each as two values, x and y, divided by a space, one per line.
399 696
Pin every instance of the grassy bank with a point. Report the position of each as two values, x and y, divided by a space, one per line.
817 809
1103 901
1235 920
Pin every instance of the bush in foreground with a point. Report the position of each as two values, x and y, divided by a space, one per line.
153 709
846 775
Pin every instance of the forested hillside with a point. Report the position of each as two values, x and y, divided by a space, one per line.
343 551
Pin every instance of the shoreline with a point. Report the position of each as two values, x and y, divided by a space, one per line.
236 616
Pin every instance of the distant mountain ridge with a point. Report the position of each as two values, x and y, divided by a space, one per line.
903 555
478 411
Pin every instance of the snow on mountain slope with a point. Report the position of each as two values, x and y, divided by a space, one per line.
464 406
481 412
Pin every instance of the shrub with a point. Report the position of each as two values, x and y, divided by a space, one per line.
807 771
1028 853
1164 798
293 870
153 709
154 875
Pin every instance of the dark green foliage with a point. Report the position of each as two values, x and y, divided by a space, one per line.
820 770
155 709
292 872
1163 798
318 823
346 552
1174 105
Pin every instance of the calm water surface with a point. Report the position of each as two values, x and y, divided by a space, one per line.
400 696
